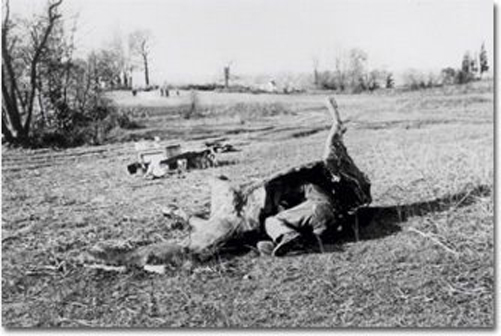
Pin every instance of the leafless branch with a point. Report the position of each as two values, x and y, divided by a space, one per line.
52 17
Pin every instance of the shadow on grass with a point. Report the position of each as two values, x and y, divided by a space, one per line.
379 222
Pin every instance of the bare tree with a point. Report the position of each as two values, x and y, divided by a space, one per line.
357 69
111 67
20 81
140 45
121 59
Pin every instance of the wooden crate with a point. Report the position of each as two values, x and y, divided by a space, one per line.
163 153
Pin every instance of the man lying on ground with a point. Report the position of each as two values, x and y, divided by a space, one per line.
302 203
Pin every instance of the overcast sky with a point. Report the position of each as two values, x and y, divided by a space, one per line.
195 38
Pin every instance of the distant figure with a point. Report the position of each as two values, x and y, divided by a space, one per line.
164 90
134 92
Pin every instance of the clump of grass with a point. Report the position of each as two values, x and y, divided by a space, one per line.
253 111
125 121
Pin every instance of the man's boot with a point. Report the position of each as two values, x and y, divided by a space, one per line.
265 247
286 243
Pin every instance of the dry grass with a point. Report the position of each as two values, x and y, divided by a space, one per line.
425 260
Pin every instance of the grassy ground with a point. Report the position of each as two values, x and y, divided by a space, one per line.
426 260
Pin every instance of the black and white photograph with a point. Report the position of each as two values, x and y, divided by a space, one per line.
248 164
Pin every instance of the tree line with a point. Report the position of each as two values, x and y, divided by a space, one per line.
351 74
473 67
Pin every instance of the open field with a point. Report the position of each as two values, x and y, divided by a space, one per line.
425 260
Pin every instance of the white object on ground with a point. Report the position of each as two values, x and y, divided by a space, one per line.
159 269
155 169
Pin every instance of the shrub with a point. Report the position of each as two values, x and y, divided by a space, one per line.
415 80
463 77
202 87
75 128
448 76
125 121
328 81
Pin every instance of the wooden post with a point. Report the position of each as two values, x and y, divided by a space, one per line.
337 129
337 123
227 76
